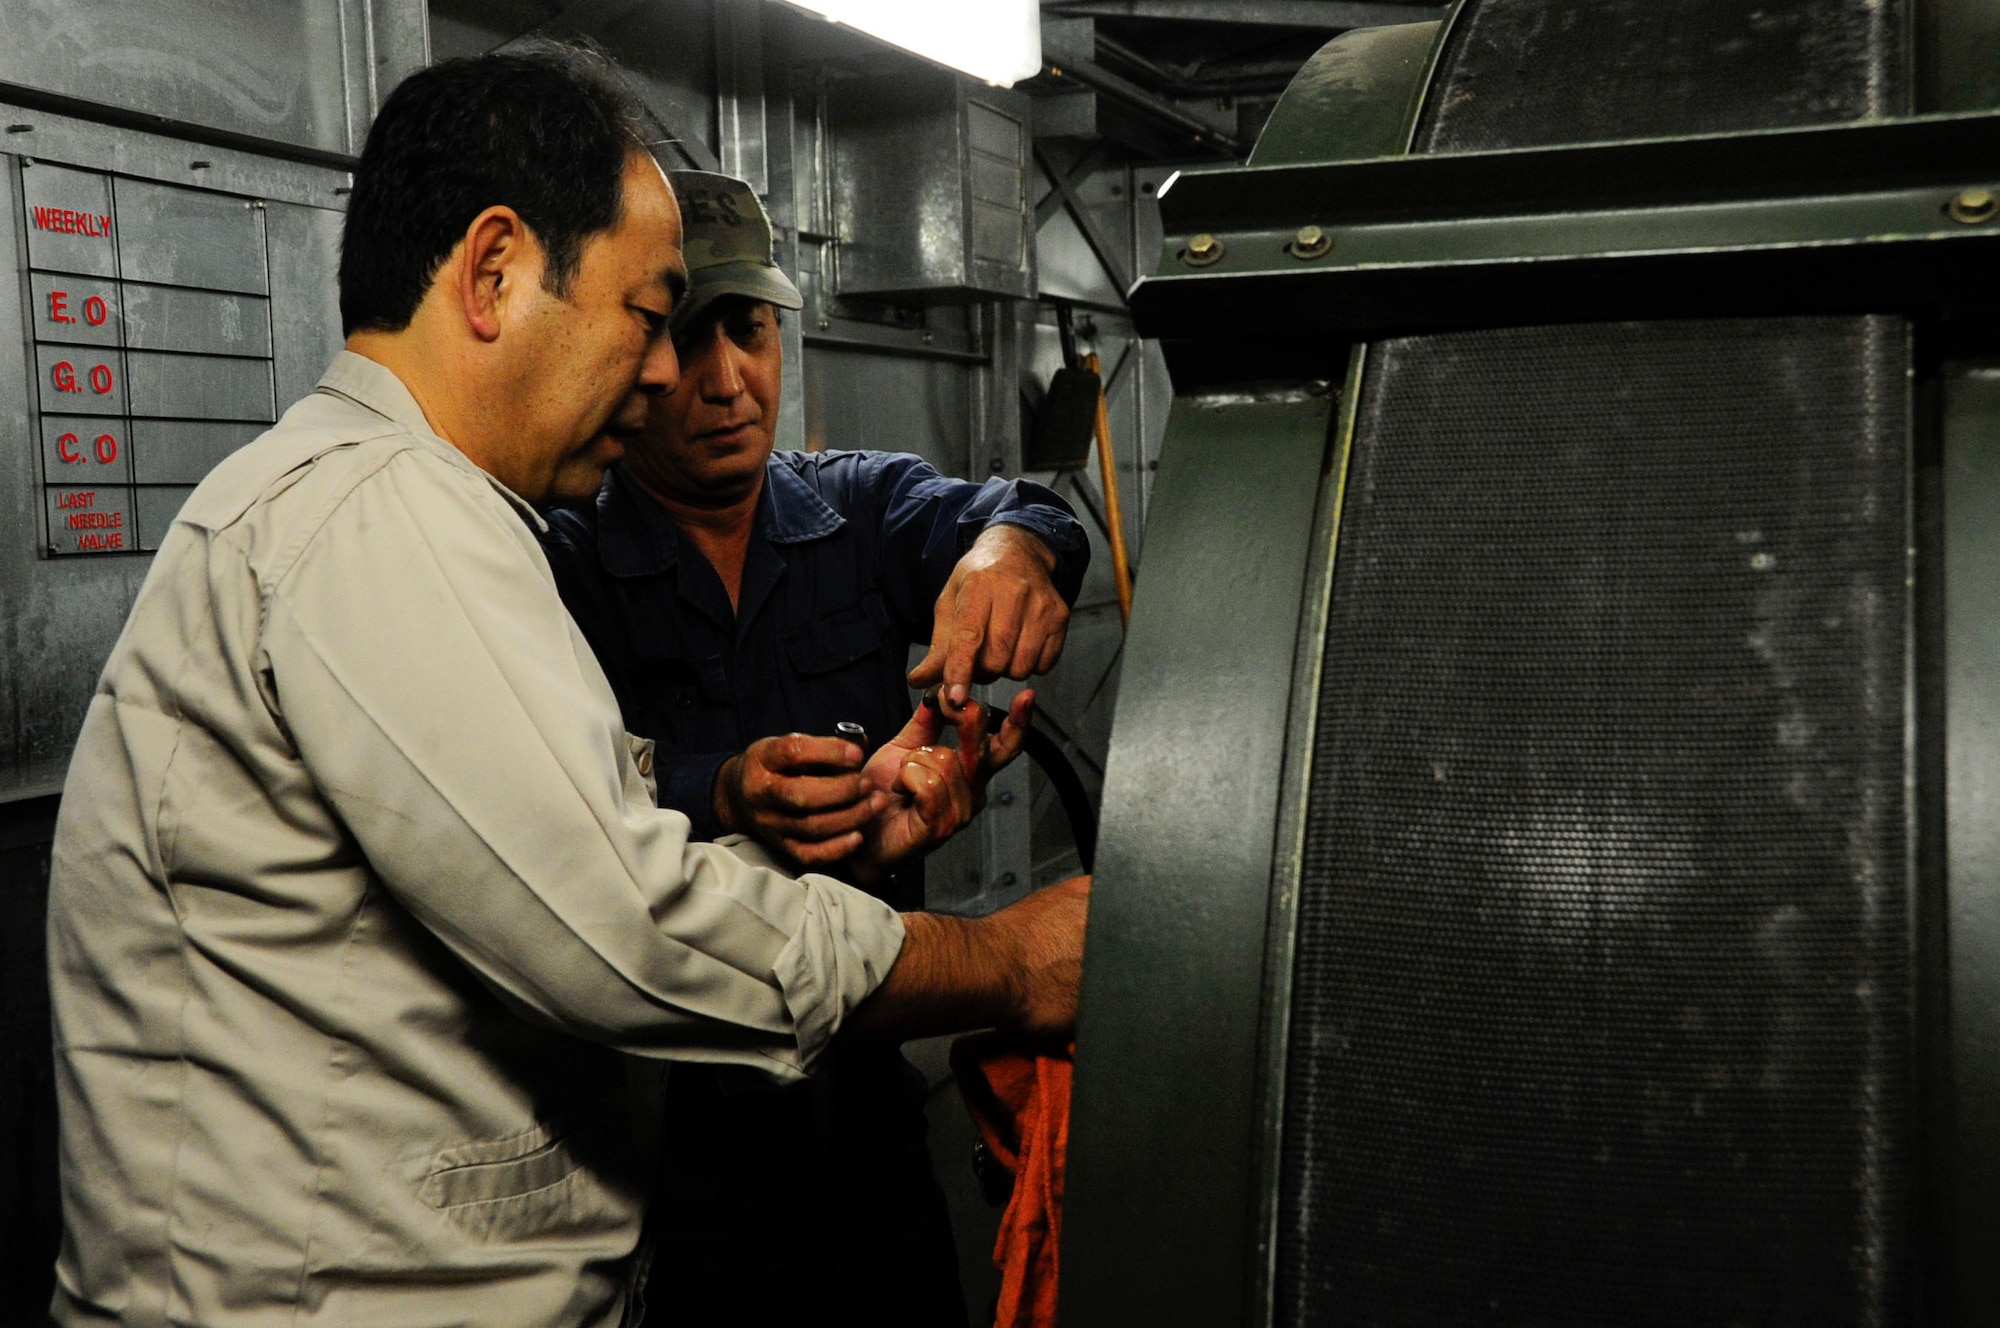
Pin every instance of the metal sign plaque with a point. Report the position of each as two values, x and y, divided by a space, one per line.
151 317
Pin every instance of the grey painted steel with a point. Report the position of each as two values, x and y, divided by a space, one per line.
1972 820
58 617
199 387
741 126
307 73
188 237
55 139
196 321
305 302
1158 1209
182 451
930 195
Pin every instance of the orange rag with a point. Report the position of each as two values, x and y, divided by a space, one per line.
1018 1093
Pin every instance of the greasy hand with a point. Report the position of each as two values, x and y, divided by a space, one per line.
931 792
999 615
801 796
1044 941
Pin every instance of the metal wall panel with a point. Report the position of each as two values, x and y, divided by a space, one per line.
199 322
196 357
187 237
84 311
182 451
212 387
304 254
305 73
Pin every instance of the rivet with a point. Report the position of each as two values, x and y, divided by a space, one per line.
1973 206
825 323
1202 251
1310 242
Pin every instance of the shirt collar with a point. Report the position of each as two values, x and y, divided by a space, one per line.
791 512
375 386
636 537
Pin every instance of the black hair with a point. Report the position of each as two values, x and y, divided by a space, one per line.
546 131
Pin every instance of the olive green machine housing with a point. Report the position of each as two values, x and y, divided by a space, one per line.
1548 865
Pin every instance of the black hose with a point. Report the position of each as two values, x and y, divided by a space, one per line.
1045 752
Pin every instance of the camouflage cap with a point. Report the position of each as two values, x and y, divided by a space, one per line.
726 240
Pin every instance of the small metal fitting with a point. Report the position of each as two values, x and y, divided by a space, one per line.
1203 250
1310 242
1973 206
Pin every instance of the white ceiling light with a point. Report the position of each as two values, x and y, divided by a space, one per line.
999 41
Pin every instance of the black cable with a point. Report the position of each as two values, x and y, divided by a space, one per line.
1046 753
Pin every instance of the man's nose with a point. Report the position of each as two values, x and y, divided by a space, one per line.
722 372
660 370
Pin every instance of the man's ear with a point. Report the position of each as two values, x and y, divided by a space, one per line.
493 260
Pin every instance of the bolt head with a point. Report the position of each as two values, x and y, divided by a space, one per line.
1202 250
1973 206
1309 242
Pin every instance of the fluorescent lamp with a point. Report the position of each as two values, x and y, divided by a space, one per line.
997 41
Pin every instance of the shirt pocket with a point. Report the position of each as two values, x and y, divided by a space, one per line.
530 1184
839 638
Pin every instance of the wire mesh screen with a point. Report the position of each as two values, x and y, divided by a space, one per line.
1601 993
1522 73
1601 985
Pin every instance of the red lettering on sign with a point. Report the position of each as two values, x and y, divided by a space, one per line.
59 307
94 312
72 223
64 377
80 498
96 520
91 543
107 448
100 378
66 448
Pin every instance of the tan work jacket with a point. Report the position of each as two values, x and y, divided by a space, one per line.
358 894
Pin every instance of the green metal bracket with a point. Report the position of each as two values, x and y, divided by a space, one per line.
1886 215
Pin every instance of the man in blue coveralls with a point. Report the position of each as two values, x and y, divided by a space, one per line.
743 602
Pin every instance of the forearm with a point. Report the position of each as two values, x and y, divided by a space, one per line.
950 977
1019 969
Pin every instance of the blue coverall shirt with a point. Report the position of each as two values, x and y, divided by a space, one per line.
849 553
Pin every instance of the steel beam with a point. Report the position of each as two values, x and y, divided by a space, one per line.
1082 70
1100 245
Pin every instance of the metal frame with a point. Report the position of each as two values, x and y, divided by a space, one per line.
1970 573
1288 853
1203 820
1844 218
1157 1227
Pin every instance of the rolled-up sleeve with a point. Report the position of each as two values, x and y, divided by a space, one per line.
448 710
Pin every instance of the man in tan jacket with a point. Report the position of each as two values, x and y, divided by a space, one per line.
359 895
